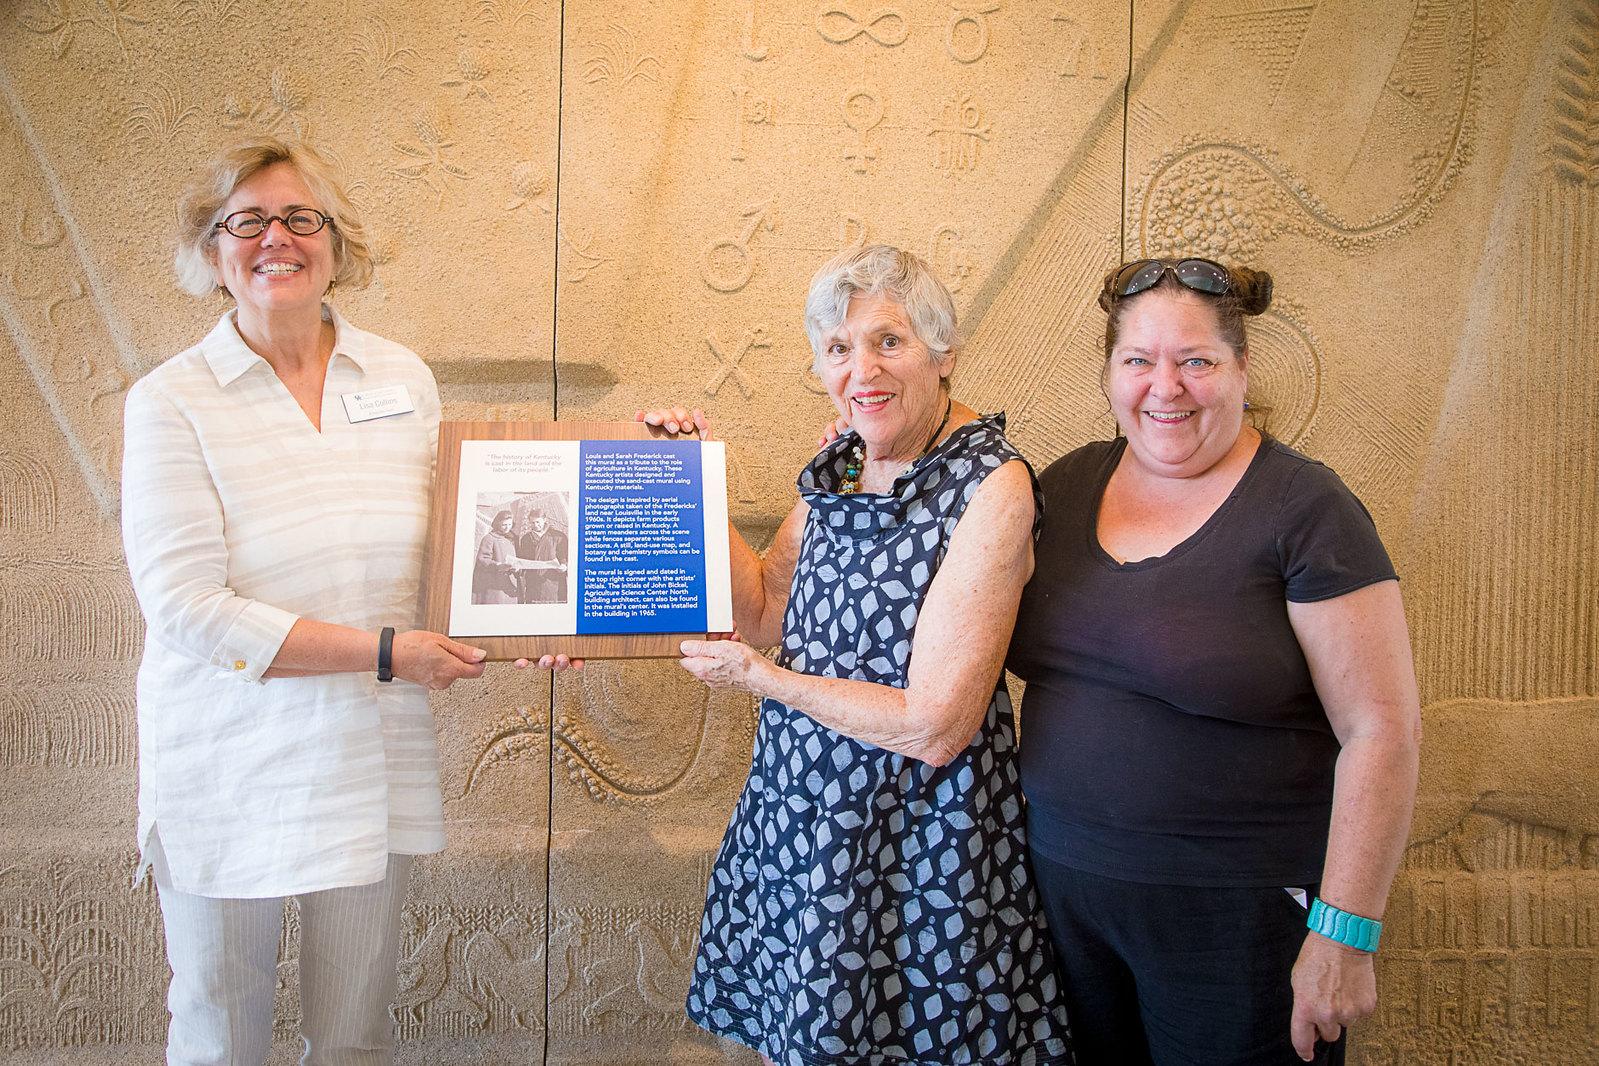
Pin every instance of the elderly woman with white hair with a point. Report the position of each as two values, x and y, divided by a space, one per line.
872 901
275 494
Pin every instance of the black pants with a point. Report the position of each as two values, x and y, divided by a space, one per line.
1169 975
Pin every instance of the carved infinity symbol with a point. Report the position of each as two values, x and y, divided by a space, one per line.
882 24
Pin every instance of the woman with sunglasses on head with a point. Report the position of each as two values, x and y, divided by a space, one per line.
275 494
1222 721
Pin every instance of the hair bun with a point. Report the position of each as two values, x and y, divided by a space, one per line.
1252 289
1106 299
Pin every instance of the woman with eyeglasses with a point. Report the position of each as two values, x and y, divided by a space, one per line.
275 494
1221 713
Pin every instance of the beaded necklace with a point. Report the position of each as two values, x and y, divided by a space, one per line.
857 455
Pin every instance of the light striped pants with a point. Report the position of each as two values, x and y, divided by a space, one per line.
224 955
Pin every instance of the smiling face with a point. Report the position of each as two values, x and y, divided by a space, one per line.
538 523
502 525
278 271
882 377
1175 386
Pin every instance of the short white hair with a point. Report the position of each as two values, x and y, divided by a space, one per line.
894 272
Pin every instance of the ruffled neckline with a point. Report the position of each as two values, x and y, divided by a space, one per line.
868 514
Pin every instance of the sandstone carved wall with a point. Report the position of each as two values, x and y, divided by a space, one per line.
586 208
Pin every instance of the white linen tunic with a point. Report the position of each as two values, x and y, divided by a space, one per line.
238 518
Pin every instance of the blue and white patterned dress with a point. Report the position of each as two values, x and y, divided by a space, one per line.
867 907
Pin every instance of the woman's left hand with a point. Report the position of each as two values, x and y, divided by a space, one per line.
723 663
1334 986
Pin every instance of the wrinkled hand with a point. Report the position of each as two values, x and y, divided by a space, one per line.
558 663
677 420
724 663
834 430
433 660
1334 986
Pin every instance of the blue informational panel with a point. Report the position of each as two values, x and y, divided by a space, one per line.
641 539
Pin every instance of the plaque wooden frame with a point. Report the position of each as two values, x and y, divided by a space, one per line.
438 569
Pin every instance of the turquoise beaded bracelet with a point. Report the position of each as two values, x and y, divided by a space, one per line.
1350 929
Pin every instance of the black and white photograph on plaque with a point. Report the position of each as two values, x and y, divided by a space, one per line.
523 547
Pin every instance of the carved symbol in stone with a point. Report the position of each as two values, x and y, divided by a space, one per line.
1574 116
155 120
46 234
1271 36
471 77
424 976
960 135
852 232
948 257
53 301
432 167
748 48
508 965
87 728
728 264
750 109
380 51
977 19
756 338
59 21
1080 52
528 187
27 495
62 951
285 104
48 613
506 15
580 260
207 12
885 25
631 976
863 112
618 58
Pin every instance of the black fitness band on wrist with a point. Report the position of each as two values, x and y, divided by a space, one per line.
386 654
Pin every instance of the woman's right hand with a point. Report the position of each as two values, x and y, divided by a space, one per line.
677 420
433 660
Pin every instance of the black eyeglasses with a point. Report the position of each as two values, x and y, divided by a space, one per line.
301 222
1200 275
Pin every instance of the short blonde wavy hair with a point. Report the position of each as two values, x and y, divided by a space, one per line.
200 209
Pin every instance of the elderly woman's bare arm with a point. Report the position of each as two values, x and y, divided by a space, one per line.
761 583
1358 649
962 632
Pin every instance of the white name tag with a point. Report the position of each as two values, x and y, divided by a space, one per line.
368 404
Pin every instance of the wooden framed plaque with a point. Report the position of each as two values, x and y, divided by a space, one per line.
600 540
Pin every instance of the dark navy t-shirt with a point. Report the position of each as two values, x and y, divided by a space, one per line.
1170 730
